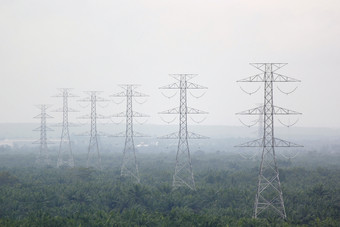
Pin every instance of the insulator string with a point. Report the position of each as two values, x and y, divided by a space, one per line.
287 93
250 125
169 97
250 93
168 122
199 96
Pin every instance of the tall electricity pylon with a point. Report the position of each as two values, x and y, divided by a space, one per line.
93 148
129 166
43 158
65 156
269 193
184 175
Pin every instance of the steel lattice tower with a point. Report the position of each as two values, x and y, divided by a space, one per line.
65 156
43 156
93 153
269 193
129 166
183 175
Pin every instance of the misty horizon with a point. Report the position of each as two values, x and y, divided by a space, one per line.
95 45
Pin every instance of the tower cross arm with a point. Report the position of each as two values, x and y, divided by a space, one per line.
123 134
170 111
69 95
275 66
97 99
119 94
137 114
189 111
170 136
192 135
121 114
43 115
282 78
283 111
100 99
180 76
68 110
284 143
39 142
254 111
276 110
43 128
195 86
62 124
65 92
195 111
277 143
100 116
171 86
138 94
256 78
253 143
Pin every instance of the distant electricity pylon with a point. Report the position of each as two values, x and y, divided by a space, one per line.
43 158
65 156
93 148
183 171
269 193
129 166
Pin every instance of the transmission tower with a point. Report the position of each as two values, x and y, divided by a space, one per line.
93 153
43 158
183 170
129 166
65 156
269 197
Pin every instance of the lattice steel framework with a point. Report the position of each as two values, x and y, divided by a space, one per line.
129 166
269 197
43 158
183 175
93 152
65 156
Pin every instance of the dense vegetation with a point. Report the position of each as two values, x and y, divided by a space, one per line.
226 184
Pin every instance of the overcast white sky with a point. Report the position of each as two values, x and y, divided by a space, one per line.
95 45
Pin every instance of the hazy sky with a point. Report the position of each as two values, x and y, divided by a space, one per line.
95 45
